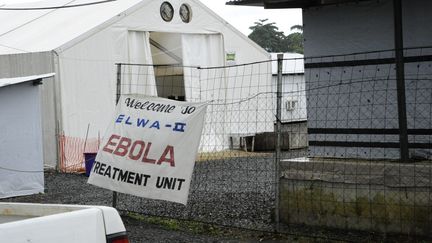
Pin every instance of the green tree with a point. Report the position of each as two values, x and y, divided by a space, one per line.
268 36
294 41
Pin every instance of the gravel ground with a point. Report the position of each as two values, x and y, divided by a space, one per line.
231 192
226 195
73 189
236 192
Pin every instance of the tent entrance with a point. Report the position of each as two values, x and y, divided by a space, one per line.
167 58
171 61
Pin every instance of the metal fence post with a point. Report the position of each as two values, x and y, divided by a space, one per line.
278 139
118 87
118 93
400 76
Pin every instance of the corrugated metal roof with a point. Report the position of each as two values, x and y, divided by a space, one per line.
24 31
17 80
275 4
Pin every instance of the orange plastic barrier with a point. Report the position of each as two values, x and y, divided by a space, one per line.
72 151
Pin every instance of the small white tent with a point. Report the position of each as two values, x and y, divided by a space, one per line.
81 42
21 160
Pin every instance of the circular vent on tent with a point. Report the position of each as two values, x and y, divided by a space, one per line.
166 11
185 13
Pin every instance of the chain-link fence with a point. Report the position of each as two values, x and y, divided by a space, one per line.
353 178
234 178
252 170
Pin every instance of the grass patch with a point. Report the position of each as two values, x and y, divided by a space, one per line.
177 225
232 234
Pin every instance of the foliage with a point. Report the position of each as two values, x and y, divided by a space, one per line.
268 36
297 27
294 42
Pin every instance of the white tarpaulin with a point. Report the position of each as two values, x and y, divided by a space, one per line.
206 51
139 53
203 51
150 147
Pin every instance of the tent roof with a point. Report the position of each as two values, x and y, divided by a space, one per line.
25 31
49 25
293 63
17 80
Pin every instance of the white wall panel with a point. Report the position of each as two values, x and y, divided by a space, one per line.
21 160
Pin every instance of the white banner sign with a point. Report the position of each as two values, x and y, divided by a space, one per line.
149 148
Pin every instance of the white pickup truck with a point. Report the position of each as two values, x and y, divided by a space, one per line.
46 223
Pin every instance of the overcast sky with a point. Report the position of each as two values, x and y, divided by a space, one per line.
243 17
239 16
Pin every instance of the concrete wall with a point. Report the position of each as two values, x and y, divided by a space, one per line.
28 64
374 196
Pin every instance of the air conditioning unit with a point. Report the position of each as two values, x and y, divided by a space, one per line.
290 104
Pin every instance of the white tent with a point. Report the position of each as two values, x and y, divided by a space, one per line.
83 43
21 160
